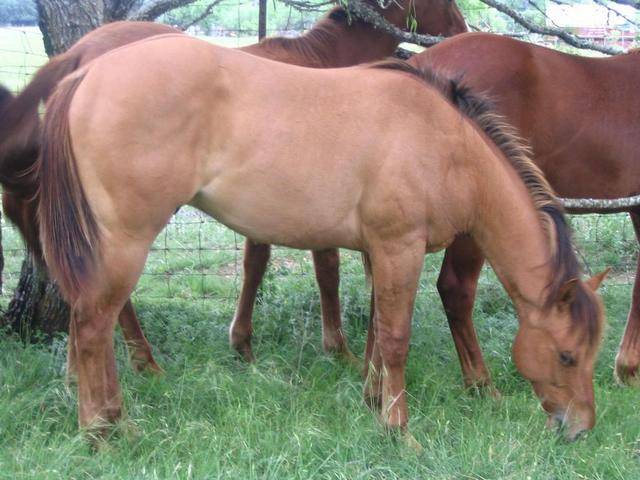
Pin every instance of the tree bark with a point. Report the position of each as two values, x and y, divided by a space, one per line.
262 19
64 22
36 308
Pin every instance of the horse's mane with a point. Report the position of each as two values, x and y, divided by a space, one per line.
480 110
318 39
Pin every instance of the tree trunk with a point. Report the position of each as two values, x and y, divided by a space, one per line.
36 307
64 22
262 19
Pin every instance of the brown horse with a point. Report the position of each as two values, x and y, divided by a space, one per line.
334 41
581 117
402 172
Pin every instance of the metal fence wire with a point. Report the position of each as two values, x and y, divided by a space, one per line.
197 258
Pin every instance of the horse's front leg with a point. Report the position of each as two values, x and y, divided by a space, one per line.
457 285
628 358
396 270
327 268
256 258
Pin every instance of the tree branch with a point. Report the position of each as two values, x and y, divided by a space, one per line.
364 12
591 204
630 3
307 5
556 32
153 10
206 12
616 12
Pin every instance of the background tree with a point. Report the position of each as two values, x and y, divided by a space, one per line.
36 306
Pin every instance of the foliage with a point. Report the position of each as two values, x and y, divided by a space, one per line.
241 17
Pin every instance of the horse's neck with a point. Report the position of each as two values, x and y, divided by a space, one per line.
354 44
511 233
330 44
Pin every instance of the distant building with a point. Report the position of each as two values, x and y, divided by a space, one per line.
595 22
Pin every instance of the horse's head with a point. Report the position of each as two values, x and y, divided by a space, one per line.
433 17
555 350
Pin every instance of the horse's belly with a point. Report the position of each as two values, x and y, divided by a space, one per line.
285 215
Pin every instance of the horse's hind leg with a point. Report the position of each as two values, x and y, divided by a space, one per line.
327 268
94 315
139 348
396 270
457 285
628 358
256 257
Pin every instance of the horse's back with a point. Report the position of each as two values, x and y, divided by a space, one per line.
579 113
114 35
202 120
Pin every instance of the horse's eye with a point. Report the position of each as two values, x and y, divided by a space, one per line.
567 359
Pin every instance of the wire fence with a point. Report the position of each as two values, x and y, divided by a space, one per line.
197 258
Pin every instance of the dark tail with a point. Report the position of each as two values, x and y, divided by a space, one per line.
20 123
68 229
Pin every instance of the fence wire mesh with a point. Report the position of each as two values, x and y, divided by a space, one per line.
198 258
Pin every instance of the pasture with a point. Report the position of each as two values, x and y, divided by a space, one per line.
298 413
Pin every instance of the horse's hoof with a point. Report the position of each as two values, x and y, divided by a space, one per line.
373 401
244 351
485 388
411 443
345 355
147 365
626 374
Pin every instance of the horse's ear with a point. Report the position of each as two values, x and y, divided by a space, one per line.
594 282
567 292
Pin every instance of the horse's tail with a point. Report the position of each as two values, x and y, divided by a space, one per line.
68 230
20 123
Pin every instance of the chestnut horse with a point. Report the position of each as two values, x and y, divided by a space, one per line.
581 117
335 41
364 158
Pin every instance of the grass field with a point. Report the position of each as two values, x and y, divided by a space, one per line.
298 413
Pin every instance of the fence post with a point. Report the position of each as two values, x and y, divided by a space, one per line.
262 19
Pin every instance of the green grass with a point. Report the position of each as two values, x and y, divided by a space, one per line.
299 413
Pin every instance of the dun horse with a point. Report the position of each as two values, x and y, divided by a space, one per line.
363 158
581 117
336 41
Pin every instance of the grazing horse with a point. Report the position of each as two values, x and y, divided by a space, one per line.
581 118
335 41
364 158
